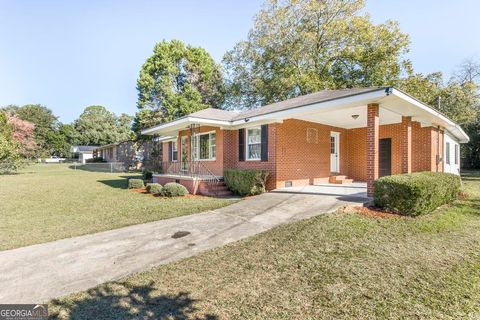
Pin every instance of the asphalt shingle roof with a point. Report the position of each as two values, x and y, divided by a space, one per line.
321 96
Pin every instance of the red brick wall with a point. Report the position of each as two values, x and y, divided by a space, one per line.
230 147
306 162
423 149
292 158
215 166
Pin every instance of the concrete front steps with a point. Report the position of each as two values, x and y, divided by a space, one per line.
338 179
220 188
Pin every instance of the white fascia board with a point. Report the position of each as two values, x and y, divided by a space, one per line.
253 124
289 113
452 126
165 139
184 121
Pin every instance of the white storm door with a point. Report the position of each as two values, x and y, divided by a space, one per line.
334 152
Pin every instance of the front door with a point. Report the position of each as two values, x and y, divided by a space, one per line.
385 157
334 152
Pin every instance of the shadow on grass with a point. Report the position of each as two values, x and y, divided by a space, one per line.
471 175
469 206
115 183
121 300
99 167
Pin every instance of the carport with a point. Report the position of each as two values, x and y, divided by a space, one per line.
353 190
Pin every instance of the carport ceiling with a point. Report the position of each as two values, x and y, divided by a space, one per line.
343 118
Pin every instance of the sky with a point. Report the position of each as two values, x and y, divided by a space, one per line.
67 55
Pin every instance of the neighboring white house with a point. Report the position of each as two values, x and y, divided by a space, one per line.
82 153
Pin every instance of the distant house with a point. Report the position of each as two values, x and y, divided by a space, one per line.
331 136
130 153
82 153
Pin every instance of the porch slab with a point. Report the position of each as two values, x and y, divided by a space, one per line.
184 176
355 189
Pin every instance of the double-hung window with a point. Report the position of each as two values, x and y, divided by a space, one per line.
204 146
174 151
254 143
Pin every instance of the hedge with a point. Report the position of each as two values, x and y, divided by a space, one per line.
173 189
135 184
245 182
417 193
154 188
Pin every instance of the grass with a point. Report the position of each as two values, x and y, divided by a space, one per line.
49 202
334 266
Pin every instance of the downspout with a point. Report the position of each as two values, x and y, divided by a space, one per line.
438 135
438 146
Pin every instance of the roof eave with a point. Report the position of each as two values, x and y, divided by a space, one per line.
183 122
452 126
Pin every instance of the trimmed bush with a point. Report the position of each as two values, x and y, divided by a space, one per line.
173 189
135 184
154 188
417 193
245 182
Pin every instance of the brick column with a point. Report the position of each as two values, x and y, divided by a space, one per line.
372 145
406 144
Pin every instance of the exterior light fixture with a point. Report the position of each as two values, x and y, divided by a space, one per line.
355 116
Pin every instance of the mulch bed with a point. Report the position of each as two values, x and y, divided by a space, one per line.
188 196
374 212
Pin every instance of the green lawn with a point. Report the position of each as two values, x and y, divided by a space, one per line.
50 202
334 266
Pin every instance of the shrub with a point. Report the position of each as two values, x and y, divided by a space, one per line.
416 193
173 189
245 182
147 175
154 188
135 184
95 160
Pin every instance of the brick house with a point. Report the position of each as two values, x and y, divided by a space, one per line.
128 153
331 136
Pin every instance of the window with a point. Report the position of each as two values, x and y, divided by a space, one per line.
204 146
174 151
254 143
332 145
447 153
456 154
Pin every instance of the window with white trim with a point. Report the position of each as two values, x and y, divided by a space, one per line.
174 151
254 143
204 146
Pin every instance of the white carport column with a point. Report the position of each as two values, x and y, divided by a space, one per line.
406 144
373 133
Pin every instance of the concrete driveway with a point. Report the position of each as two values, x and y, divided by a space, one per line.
41 272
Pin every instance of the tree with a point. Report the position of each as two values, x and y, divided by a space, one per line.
177 80
9 156
71 136
46 128
458 99
98 126
302 46
23 134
